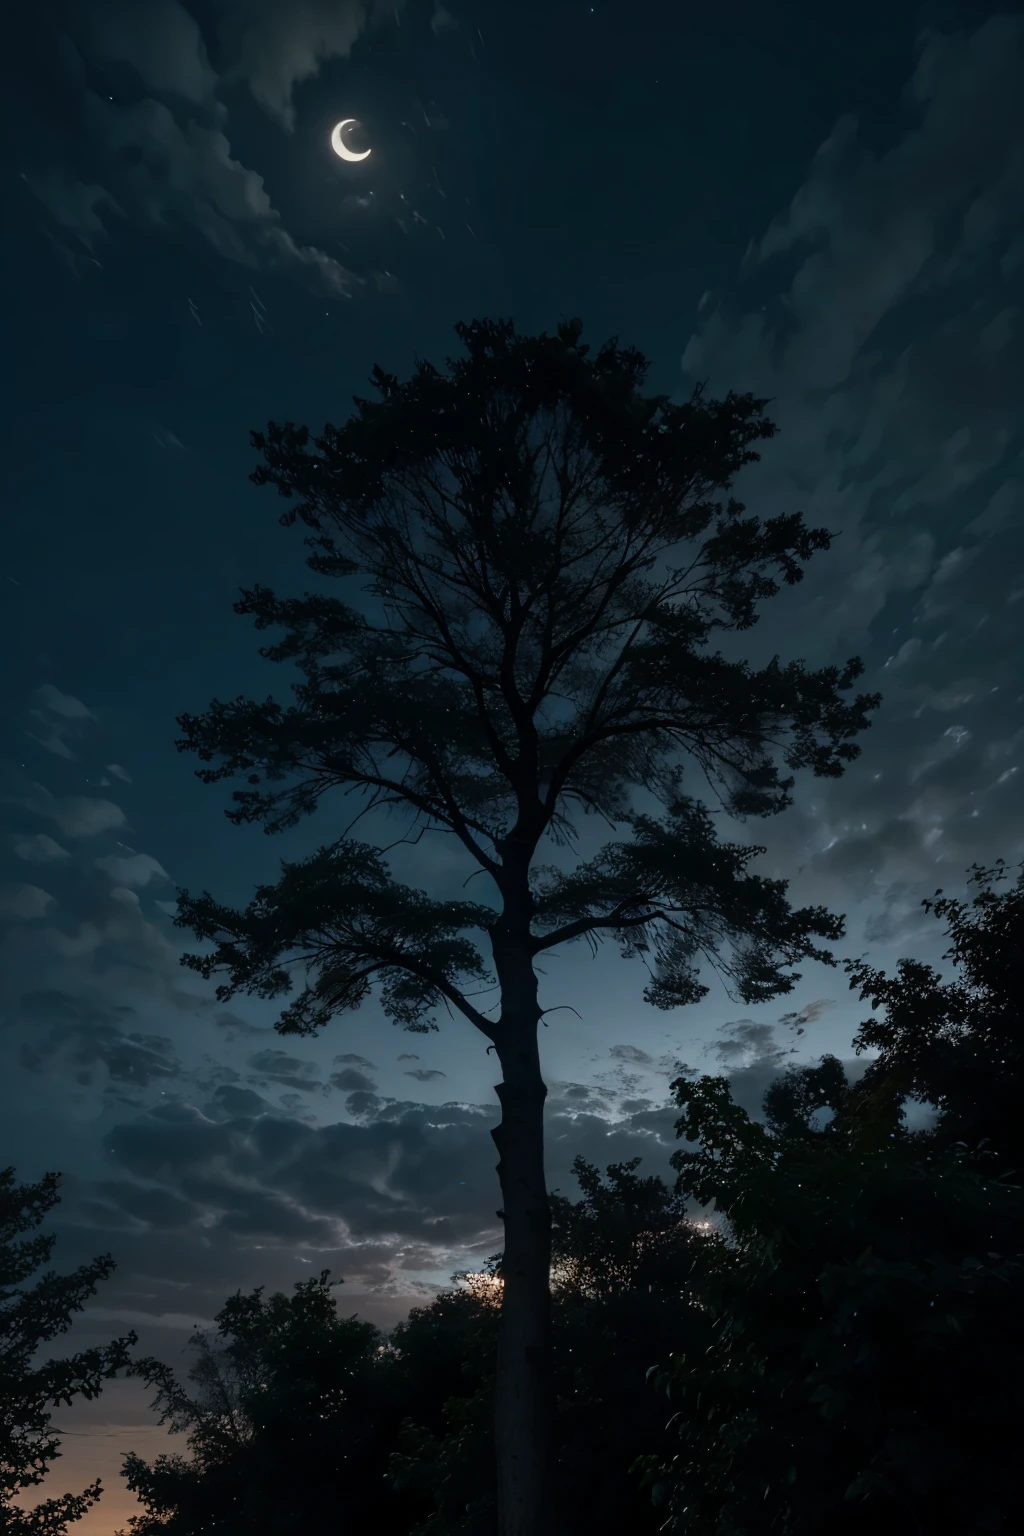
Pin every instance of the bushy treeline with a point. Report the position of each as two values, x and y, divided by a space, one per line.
818 1328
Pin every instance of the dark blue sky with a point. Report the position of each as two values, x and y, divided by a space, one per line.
823 206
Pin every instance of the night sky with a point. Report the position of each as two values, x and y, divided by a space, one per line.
819 204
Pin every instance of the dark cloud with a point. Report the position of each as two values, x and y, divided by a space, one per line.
160 168
881 313
23 901
162 44
751 1054
133 870
810 1013
275 48
401 1191
165 157
157 1208
58 720
40 848
363 1103
77 816
88 1036
747 1041
425 1074
353 1059
236 1028
273 1066
352 1081
231 1102
632 1054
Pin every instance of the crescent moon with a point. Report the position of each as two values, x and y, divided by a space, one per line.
338 143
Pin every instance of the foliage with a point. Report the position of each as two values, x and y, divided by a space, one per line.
32 1315
625 1261
958 1044
508 513
289 1423
864 1309
839 1345
552 568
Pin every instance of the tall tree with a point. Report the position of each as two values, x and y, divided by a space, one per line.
32 1315
553 568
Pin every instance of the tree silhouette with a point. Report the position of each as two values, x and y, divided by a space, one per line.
959 1044
292 1414
625 1262
868 1306
31 1316
553 568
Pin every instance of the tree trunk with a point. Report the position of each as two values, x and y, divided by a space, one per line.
522 1405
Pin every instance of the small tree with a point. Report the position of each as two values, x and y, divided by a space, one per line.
30 1317
292 1415
553 569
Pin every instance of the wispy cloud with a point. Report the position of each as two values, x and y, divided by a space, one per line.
881 312
166 157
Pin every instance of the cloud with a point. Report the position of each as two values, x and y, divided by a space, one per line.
442 20
58 715
65 1032
135 871
352 1081
94 939
353 1059
632 1054
64 704
748 1042
231 1102
52 741
118 772
881 312
290 1071
73 204
77 816
236 1027
165 171
160 41
425 1074
876 222
408 1178
276 48
164 158
39 849
363 1104
24 901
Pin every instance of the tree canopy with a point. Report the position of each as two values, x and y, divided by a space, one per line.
552 557
537 532
289 1422
32 1315
958 1044
868 1303
818 1328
